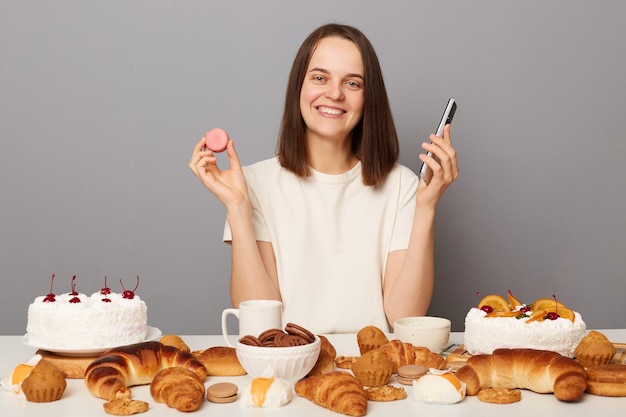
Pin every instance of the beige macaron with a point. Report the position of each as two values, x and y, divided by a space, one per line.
409 373
222 392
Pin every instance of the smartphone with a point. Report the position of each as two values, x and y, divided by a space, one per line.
426 173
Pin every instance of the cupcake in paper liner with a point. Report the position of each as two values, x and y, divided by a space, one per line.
45 383
373 369
594 349
438 387
13 382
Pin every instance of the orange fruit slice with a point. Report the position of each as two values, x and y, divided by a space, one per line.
503 314
513 301
563 312
537 315
545 303
496 302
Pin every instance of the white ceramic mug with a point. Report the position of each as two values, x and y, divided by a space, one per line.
255 316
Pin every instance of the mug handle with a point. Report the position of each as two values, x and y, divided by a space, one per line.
225 313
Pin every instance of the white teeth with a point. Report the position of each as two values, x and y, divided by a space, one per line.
326 110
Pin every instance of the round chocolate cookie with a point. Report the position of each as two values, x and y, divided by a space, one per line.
268 336
286 340
296 330
250 340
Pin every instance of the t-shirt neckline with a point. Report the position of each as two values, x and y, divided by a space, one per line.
342 178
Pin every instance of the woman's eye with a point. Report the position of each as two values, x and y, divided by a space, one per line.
353 84
318 78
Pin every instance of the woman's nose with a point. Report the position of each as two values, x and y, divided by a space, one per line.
334 91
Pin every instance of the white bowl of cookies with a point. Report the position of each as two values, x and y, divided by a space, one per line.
288 354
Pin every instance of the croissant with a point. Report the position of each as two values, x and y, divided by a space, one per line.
537 370
179 388
402 353
110 375
337 390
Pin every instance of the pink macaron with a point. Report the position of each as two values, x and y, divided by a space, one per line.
216 139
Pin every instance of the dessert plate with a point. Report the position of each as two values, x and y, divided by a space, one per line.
153 333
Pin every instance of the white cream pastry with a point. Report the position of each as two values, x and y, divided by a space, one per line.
13 382
267 393
438 387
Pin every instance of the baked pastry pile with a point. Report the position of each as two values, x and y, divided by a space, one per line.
344 384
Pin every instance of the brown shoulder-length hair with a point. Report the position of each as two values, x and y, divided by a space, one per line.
374 138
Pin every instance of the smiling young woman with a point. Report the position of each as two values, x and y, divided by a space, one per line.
333 226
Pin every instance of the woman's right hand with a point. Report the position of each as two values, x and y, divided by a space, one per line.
229 185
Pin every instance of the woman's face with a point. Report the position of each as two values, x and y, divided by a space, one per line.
331 99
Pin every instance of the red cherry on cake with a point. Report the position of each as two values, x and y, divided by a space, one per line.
73 286
487 309
552 315
129 295
75 299
106 290
50 297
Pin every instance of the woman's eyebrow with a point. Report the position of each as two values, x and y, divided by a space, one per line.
325 71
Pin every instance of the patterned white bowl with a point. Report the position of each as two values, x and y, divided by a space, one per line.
289 363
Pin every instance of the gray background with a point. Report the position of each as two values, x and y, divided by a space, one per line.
101 103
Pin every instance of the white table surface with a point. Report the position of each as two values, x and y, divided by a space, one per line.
78 401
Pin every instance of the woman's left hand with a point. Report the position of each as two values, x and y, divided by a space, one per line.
445 168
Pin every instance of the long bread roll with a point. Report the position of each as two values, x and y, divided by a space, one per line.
537 370
111 374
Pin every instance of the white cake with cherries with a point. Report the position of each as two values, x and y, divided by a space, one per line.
523 326
76 321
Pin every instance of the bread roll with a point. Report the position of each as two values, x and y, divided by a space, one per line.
369 338
176 341
537 370
110 375
221 361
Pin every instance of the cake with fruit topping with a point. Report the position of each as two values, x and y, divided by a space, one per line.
545 324
76 321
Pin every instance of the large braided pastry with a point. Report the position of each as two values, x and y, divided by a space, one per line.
110 375
537 370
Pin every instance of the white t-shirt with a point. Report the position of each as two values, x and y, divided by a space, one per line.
331 236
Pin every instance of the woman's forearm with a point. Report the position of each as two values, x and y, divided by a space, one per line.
409 277
250 278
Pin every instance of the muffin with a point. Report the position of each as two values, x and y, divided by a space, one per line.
594 349
373 369
369 338
45 383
